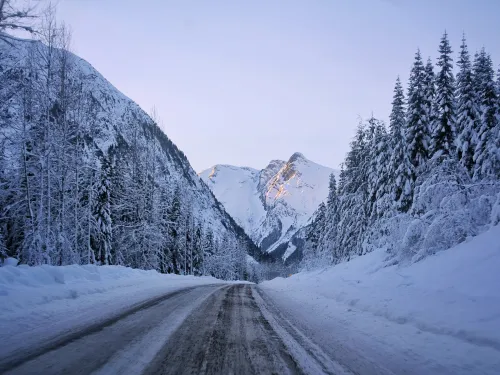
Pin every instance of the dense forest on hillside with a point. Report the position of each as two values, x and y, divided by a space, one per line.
429 180
86 177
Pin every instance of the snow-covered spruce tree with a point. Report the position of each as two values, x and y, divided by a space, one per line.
331 200
174 234
378 172
486 156
353 204
197 254
103 241
354 164
314 231
342 179
443 128
417 130
430 97
208 250
468 115
328 232
399 168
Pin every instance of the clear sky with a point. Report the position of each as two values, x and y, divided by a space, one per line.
246 81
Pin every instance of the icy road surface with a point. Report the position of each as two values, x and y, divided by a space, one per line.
214 329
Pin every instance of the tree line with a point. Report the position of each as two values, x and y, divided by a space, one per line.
87 178
398 184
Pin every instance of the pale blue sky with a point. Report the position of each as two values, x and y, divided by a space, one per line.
246 81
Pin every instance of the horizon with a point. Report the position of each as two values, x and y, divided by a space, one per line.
263 81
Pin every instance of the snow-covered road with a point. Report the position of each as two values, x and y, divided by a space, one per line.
124 343
243 329
208 329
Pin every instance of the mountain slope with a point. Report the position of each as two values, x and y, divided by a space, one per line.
96 177
272 204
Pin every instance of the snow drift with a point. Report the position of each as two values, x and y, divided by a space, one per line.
451 296
44 301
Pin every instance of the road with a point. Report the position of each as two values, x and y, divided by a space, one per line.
216 329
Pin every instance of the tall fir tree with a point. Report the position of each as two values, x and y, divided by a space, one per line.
332 191
326 241
314 232
430 95
468 115
342 179
378 175
400 168
417 130
487 163
443 130
103 216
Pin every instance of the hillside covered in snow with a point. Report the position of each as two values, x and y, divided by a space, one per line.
274 203
438 316
88 177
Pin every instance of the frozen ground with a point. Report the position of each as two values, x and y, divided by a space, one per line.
41 303
207 329
440 315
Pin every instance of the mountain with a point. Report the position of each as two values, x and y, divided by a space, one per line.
273 204
88 177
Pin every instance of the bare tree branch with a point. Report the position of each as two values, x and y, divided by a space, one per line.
12 18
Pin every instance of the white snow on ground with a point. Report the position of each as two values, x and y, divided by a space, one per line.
440 315
36 302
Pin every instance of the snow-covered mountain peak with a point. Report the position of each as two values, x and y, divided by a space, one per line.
274 203
297 157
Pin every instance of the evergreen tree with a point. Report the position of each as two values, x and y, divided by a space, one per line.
313 233
326 239
354 166
443 131
197 256
378 176
417 130
468 116
342 179
400 168
487 163
174 233
332 191
430 95
103 217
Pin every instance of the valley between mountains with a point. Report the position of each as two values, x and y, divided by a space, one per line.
117 257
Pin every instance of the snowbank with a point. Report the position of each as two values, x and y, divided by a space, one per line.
23 288
42 301
454 294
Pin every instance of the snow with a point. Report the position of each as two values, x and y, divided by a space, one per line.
289 250
38 302
10 262
442 313
236 189
285 192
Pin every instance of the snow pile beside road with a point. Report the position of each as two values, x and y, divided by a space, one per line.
42 301
453 295
26 287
